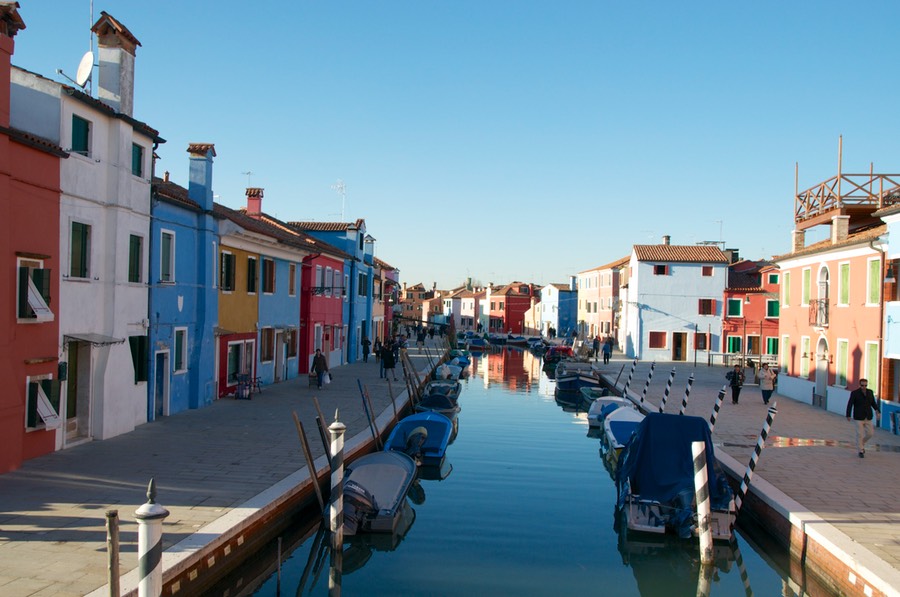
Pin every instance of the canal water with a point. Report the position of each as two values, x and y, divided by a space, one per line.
527 509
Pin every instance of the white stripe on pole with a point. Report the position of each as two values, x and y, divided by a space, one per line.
647 385
687 392
701 490
754 458
628 381
716 407
662 406
336 513
150 518
742 570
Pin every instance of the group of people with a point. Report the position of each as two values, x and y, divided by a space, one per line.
387 354
862 407
605 347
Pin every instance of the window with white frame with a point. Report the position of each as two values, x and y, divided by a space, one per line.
805 288
873 283
735 307
329 281
135 259
81 136
771 345
33 291
657 340
266 344
842 364
181 357
785 353
42 402
786 290
871 366
167 256
773 278
843 285
226 279
215 265
80 250
805 356
735 344
346 285
772 309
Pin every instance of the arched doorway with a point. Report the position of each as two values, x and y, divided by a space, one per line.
819 396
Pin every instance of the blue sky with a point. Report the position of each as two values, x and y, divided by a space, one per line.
505 140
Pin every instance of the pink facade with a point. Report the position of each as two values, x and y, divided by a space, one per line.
29 267
751 310
321 309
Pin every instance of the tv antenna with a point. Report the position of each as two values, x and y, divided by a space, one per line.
248 174
83 74
341 188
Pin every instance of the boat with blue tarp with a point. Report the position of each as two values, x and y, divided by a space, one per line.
423 436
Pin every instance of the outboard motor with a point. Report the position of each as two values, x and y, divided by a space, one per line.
359 505
415 439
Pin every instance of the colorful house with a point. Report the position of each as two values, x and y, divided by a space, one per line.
588 305
889 390
508 305
608 296
183 304
30 424
558 307
751 309
674 301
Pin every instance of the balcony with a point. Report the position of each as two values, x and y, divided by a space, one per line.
818 313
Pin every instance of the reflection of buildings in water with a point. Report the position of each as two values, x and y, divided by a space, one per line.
511 366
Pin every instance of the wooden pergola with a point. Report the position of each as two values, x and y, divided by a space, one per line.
854 195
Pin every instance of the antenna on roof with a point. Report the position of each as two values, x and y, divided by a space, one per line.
342 190
248 174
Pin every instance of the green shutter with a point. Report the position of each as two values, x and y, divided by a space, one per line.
786 287
42 278
873 361
874 282
137 159
805 291
772 309
165 268
24 307
80 135
80 248
134 259
843 361
844 282
31 413
139 356
251 274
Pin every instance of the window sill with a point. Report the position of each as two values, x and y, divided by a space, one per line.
179 371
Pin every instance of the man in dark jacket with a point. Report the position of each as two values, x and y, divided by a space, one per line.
320 367
861 405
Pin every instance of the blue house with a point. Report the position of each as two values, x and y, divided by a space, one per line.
359 270
183 302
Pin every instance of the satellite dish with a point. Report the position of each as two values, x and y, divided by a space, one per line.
85 68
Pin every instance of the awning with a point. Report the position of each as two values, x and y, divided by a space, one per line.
93 339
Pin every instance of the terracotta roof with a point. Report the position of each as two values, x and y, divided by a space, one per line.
201 148
306 241
561 286
328 226
173 193
743 282
383 264
34 141
680 253
854 238
10 20
107 23
512 288
616 263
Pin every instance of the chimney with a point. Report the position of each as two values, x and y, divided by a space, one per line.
798 240
166 176
840 229
254 201
116 47
200 175
666 239
10 24
573 283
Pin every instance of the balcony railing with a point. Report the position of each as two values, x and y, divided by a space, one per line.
322 290
818 313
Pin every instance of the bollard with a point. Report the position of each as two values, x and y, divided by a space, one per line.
628 381
754 458
687 392
665 398
336 430
150 517
647 385
112 550
716 407
701 490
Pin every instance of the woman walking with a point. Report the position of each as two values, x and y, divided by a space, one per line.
766 382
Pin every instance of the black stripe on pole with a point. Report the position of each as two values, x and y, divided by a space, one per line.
149 561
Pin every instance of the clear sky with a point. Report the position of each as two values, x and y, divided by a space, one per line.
503 140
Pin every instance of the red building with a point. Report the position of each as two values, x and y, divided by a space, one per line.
508 305
29 246
322 299
751 310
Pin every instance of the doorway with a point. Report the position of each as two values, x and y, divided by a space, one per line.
279 356
820 398
78 392
679 346
161 385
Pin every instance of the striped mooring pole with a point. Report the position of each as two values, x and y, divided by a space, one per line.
150 517
662 406
687 392
742 569
754 458
701 490
647 385
336 511
628 381
716 408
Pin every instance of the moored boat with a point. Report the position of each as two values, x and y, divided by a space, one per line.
438 403
602 406
423 436
571 376
618 426
375 488
445 387
655 478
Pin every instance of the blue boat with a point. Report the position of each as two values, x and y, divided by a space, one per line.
438 403
655 478
571 376
618 427
423 436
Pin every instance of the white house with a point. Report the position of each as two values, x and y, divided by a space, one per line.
674 301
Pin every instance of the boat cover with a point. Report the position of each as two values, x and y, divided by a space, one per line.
657 462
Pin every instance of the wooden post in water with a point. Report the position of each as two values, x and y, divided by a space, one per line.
310 466
112 551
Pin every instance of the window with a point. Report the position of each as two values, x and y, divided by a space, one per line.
266 344
212 270
707 270
135 258
363 285
137 159
784 352
167 257
707 307
873 360
292 280
42 407
33 295
81 135
771 345
329 281
657 340
773 278
701 341
290 338
660 270
734 344
226 275
804 356
180 350
735 307
842 363
140 359
805 287
873 284
80 254
268 276
786 290
843 284
320 280
772 310
251 275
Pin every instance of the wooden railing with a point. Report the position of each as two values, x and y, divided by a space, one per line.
872 190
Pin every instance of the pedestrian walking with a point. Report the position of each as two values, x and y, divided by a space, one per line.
376 349
387 361
595 348
365 348
735 379
766 382
320 366
607 351
861 406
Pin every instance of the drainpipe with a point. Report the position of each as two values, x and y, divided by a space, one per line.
881 380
